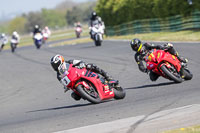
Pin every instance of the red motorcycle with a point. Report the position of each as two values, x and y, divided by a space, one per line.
166 65
90 86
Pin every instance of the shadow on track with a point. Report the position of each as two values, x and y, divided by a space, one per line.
151 85
62 107
68 107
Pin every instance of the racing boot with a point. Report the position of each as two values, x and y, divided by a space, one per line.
153 76
183 65
109 79
182 59
75 96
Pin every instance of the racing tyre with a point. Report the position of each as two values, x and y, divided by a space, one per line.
119 93
174 76
89 94
187 74
13 47
98 43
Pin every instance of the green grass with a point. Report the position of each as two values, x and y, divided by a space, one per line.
157 36
193 129
164 36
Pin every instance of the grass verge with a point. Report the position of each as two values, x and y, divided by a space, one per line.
157 36
164 36
193 129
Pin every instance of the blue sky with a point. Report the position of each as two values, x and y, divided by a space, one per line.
11 7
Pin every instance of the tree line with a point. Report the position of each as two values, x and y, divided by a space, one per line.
64 14
115 12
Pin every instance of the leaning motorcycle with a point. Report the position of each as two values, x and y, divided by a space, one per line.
89 85
13 44
168 66
38 40
97 32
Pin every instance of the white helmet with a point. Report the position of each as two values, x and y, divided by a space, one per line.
3 35
15 33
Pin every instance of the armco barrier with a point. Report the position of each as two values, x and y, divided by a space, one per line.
175 23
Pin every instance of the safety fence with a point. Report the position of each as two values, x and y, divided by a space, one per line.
175 23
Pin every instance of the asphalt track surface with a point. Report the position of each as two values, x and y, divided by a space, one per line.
33 101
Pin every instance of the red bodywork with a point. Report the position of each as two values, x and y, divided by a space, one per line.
76 76
157 58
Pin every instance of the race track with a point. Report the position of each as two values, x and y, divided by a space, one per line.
33 101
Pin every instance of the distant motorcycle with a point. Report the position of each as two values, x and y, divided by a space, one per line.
45 37
97 32
90 86
3 42
78 31
13 45
166 65
38 40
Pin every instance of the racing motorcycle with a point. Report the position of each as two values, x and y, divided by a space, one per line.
78 31
38 40
167 65
3 42
45 37
13 44
97 32
89 85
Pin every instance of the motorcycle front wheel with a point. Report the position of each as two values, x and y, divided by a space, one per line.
98 43
13 47
89 94
187 74
171 75
119 92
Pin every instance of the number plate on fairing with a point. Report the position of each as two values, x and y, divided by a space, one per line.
65 81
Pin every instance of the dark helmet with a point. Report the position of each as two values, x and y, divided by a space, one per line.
93 15
136 45
56 61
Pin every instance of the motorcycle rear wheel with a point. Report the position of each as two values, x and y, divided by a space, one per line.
170 75
86 95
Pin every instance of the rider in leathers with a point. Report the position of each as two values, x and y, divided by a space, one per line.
36 30
143 49
58 60
95 19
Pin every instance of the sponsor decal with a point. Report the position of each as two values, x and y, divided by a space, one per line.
151 65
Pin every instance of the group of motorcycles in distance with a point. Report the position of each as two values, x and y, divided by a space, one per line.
41 37
13 41
96 32
38 39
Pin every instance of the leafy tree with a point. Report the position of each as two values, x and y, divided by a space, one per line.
53 18
74 15
115 12
17 24
34 18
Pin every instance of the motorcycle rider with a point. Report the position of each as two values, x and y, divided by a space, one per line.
95 19
143 49
4 40
15 36
78 24
36 30
46 30
58 62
